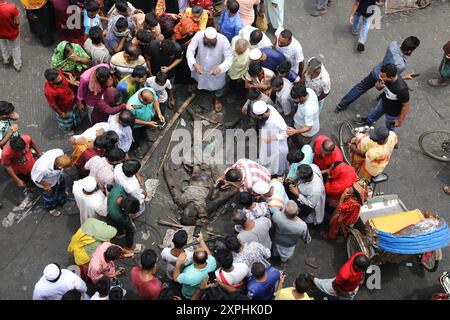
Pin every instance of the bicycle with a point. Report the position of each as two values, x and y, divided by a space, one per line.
346 132
436 144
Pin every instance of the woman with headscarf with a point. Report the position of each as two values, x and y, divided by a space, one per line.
70 58
118 35
348 209
41 19
92 86
111 103
89 237
167 8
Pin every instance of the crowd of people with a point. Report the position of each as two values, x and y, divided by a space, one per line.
120 70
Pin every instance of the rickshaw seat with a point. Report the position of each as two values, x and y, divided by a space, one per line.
382 177
396 222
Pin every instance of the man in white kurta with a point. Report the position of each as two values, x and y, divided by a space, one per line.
275 12
89 198
273 143
209 58
56 282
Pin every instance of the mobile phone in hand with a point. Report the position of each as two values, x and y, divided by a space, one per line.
197 230
415 75
211 277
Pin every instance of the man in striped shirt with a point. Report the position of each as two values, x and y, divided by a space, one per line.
243 175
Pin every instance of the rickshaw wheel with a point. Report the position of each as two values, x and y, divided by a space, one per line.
352 245
430 263
345 134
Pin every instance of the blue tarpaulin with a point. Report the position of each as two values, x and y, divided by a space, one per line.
414 244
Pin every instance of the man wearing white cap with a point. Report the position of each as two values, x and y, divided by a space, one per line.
288 231
89 198
56 282
273 138
274 193
209 58
270 59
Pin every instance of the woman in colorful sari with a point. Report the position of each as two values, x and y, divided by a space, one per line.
70 58
89 237
167 8
348 209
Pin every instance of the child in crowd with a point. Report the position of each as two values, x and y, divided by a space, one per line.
163 88
96 48
91 17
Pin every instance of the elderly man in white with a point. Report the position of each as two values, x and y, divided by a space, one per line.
89 198
56 282
273 143
209 58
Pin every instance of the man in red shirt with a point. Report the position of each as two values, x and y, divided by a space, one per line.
144 277
325 152
9 34
61 99
346 283
18 158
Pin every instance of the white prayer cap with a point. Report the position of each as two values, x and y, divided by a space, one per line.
259 107
255 54
51 272
89 184
261 187
211 33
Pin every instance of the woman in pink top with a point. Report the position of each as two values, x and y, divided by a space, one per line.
92 86
102 261
246 10
144 277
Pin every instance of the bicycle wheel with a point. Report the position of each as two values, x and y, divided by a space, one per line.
436 144
345 135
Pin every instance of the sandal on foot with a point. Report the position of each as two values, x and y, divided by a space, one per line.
447 190
437 83
55 213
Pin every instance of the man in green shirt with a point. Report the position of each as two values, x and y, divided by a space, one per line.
129 85
120 205
193 275
144 106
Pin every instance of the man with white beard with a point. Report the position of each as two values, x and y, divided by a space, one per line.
273 144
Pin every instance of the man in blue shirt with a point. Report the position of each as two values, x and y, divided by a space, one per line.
297 157
394 54
230 22
271 59
263 283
